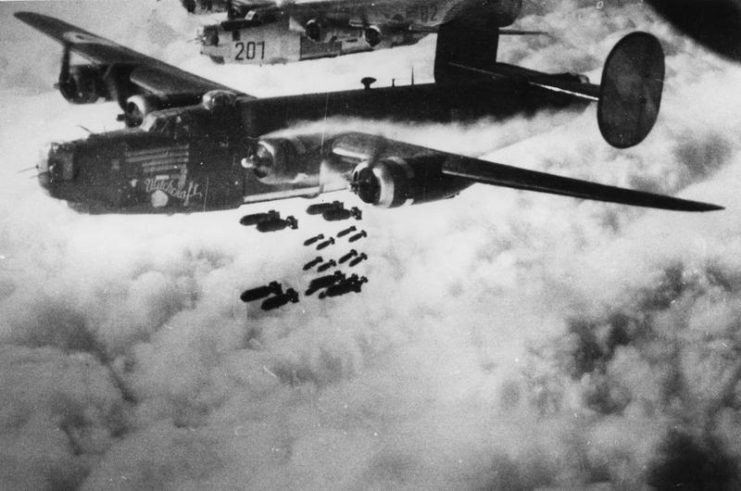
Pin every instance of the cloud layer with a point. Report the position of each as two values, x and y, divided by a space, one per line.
505 340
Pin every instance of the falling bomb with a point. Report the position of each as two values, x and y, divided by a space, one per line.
337 214
324 281
351 284
325 244
348 256
273 225
324 267
256 218
358 260
358 236
311 240
313 263
320 208
261 292
280 300
346 231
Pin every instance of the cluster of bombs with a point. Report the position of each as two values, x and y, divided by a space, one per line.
274 295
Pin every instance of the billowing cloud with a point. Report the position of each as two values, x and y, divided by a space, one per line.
505 340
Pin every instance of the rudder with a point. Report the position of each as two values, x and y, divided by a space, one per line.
631 88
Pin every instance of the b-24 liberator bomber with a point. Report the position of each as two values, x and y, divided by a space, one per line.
266 33
200 146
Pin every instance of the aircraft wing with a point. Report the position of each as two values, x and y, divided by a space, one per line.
401 13
513 177
148 73
441 166
326 9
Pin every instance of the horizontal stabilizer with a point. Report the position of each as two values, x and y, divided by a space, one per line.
565 83
513 177
628 98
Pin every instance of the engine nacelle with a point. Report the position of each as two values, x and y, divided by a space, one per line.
83 84
373 36
378 37
138 106
394 181
283 160
314 30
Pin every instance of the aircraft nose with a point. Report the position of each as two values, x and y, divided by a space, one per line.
58 166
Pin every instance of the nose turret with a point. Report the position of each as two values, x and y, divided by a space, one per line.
59 165
137 171
81 171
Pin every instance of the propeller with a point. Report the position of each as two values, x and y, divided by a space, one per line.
364 182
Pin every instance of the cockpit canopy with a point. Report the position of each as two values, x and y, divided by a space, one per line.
178 123
208 35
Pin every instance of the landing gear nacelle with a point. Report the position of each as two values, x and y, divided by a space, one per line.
378 37
374 36
137 107
84 84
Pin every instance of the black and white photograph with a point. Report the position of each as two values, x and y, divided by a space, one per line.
370 245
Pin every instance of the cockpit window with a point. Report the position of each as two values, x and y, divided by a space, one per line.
210 36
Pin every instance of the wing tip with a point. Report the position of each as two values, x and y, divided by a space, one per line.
692 206
25 14
712 207
30 18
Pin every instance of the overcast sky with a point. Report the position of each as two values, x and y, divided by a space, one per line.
505 340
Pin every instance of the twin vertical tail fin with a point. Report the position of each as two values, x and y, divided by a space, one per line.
469 42
631 88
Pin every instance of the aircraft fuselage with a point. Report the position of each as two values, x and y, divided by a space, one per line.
260 34
191 159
